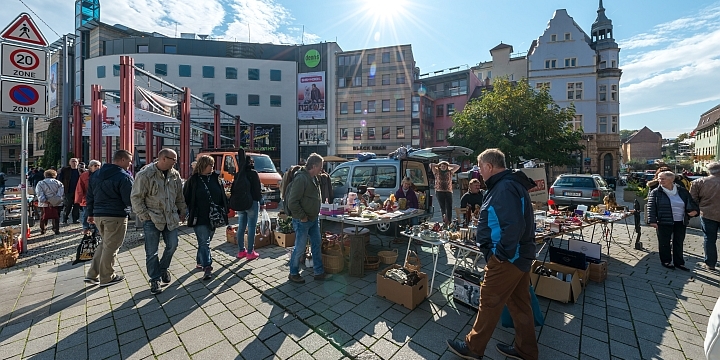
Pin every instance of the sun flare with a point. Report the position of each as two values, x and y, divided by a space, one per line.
385 9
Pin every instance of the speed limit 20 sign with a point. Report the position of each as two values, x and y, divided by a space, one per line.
23 63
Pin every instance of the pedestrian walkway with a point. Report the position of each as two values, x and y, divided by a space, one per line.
250 310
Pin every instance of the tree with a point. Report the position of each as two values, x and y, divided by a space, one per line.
52 145
521 122
625 134
682 137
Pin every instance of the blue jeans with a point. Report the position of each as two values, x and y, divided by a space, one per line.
710 229
204 234
83 218
247 219
156 267
303 232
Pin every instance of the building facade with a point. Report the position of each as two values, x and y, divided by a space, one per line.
707 141
642 145
504 63
583 71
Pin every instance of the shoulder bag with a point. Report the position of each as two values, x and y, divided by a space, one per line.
216 211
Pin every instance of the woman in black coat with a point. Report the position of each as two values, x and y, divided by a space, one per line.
203 189
669 210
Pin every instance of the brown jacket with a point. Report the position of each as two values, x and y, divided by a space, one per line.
706 192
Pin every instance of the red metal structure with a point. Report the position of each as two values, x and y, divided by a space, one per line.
216 139
148 142
96 122
127 103
184 154
77 126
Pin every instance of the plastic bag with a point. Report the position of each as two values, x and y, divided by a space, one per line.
264 221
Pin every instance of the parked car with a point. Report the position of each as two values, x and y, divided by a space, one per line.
579 189
385 175
226 163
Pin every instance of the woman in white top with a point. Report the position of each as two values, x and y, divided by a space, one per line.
50 193
669 210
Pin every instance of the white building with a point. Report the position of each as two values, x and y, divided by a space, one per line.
503 64
582 70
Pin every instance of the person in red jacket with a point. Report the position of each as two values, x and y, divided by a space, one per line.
81 193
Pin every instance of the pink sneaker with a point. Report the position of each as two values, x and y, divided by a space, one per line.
252 255
242 254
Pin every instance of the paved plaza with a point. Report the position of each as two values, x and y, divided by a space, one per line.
251 311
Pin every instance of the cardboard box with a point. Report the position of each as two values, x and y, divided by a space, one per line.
598 272
584 274
261 241
285 240
467 288
552 287
407 296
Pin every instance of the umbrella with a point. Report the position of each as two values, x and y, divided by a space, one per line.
334 158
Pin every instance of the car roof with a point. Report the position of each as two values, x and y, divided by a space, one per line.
578 175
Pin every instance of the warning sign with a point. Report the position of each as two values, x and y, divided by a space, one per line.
23 63
23 29
20 98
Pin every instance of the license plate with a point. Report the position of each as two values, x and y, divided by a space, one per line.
572 193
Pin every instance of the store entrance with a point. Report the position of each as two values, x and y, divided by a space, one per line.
608 166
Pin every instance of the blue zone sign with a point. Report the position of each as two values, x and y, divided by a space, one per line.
24 99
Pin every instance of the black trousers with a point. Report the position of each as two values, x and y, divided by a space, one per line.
674 234
445 202
70 205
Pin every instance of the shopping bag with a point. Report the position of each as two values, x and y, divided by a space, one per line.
507 321
88 245
264 223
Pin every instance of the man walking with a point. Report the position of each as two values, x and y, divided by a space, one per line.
158 202
108 198
303 203
69 176
706 192
505 234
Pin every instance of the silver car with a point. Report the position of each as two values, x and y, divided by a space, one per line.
579 189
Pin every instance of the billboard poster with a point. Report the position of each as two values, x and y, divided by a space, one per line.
52 93
311 95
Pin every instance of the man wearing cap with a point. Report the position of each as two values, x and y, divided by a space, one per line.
443 172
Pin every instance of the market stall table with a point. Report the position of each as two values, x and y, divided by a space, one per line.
435 244
358 221
8 201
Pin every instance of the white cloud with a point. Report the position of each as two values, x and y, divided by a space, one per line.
261 21
165 16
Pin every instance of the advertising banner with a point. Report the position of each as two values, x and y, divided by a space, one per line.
540 192
311 96
52 94
110 122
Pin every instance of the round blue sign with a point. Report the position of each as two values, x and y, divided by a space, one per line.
24 95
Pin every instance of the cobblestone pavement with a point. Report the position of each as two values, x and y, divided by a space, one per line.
250 310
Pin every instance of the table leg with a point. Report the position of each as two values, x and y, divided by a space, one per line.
436 255
407 252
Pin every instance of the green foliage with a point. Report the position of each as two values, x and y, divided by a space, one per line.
642 192
682 137
632 186
52 145
520 122
625 134
285 225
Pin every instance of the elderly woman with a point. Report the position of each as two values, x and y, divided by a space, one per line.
669 209
81 193
50 193
407 191
443 172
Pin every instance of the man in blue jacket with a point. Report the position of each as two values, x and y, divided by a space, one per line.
505 234
108 201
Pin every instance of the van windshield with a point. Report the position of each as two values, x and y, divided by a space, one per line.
263 164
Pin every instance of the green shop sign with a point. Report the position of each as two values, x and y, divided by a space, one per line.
312 58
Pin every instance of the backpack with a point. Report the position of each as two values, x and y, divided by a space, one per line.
287 184
240 197
52 198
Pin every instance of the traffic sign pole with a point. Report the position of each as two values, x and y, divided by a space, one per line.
23 184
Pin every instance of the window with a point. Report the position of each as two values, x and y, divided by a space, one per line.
275 101
574 91
440 135
400 132
603 64
490 73
343 108
386 177
567 36
362 175
161 69
450 109
344 135
614 124
371 80
253 74
275 75
613 64
341 61
208 72
230 164
440 110
357 133
341 82
602 125
553 37
386 105
570 62
400 79
371 133
386 79
371 106
550 64
613 92
101 72
602 93
357 107
253 100
209 97
386 132
400 55
415 131
230 73
170 49
11 125
116 70
357 81
142 48
185 70
576 122
400 105
543 85
140 66
386 57
230 99
370 59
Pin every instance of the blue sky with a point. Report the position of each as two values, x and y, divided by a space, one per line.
670 55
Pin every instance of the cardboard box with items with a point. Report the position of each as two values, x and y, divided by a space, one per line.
598 272
407 295
545 277
260 240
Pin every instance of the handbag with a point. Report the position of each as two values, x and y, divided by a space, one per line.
216 214
88 245
507 321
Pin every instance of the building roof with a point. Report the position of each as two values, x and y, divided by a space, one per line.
709 118
637 136
502 46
